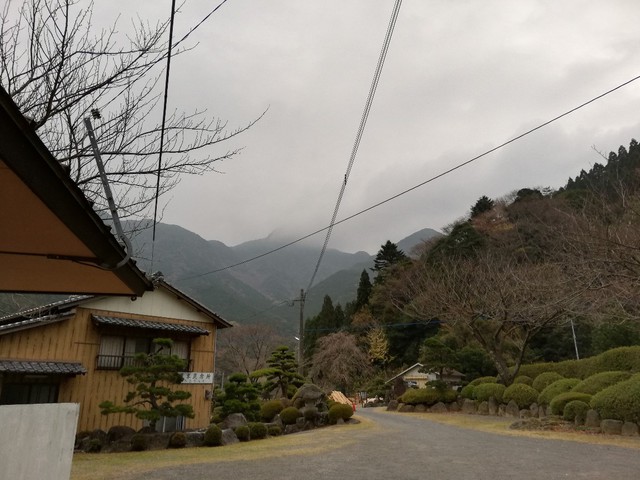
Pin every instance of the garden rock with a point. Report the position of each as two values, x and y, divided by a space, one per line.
309 395
229 437
592 420
454 407
611 427
120 432
234 420
439 408
629 429
421 408
512 409
393 406
469 406
291 429
195 439
483 408
525 413
502 410
492 404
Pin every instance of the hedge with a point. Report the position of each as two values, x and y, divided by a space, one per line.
620 401
555 389
621 358
467 391
545 379
480 380
598 382
484 391
521 393
523 379
290 415
558 403
415 396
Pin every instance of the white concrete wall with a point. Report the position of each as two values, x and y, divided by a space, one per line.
36 441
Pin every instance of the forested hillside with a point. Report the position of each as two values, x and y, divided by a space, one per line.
511 283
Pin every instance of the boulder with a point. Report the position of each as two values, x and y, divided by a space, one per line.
629 429
483 408
291 429
403 407
525 413
309 395
120 432
502 410
454 407
439 408
512 409
229 437
420 408
195 439
393 406
233 421
469 406
493 406
592 419
611 427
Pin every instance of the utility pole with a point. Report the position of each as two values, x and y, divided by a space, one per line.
301 333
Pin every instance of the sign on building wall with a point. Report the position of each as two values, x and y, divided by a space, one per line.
197 377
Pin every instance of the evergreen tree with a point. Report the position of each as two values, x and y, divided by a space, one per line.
153 377
388 255
484 204
240 396
364 291
281 373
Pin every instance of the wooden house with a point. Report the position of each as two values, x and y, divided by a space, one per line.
71 351
414 377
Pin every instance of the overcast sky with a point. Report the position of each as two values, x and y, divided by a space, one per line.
460 77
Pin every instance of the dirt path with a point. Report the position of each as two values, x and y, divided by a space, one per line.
406 447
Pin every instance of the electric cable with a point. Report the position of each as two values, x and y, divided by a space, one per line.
421 184
360 132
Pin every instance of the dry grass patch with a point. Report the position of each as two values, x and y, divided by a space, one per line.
107 466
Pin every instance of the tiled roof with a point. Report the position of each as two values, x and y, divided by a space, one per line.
24 323
148 325
38 367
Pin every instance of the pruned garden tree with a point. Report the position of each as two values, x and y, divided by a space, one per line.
154 378
58 66
436 356
239 396
281 374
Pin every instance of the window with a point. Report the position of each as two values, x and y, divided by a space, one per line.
23 393
116 351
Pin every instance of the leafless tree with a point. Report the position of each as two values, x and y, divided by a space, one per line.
502 302
338 362
246 348
58 68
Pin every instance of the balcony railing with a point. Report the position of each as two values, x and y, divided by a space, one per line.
116 362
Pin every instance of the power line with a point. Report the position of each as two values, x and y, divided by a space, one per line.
421 184
360 132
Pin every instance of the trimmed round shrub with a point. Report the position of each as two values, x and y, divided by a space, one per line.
415 396
480 380
545 379
213 436
620 401
467 391
484 391
340 411
310 414
558 403
257 430
555 389
523 379
274 431
521 393
177 440
270 409
448 396
243 433
598 382
575 411
290 415
139 442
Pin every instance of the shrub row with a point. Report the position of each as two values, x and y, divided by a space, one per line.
427 396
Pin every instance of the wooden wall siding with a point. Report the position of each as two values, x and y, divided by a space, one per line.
78 340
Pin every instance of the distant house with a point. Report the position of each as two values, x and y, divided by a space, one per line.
412 377
71 351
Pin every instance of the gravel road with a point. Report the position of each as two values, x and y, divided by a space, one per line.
407 447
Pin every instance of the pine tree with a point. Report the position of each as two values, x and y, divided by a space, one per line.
388 255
